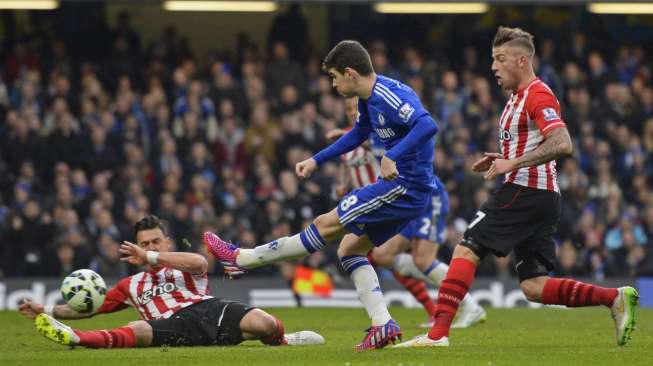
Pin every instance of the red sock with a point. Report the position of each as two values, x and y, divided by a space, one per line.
564 291
277 338
418 289
116 338
453 289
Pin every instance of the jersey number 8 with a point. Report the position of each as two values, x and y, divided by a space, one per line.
348 202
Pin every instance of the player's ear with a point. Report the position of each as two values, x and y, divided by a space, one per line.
350 73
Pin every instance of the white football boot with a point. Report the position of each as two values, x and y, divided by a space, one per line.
304 338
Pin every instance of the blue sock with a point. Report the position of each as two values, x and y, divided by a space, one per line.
351 262
312 239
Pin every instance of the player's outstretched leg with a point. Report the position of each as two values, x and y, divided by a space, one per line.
564 291
52 329
237 260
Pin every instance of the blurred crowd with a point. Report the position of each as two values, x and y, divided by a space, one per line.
88 148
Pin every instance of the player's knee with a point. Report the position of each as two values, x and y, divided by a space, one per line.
346 250
382 258
263 323
142 331
532 290
271 329
323 222
347 246
268 324
463 250
139 326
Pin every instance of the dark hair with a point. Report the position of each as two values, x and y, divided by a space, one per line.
516 37
350 54
149 222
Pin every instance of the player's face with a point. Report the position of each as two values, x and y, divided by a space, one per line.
506 64
153 239
344 83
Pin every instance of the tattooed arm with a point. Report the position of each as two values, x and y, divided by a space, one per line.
556 145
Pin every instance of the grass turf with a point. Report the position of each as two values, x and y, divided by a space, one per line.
510 337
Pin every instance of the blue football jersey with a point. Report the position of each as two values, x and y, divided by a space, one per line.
377 146
390 112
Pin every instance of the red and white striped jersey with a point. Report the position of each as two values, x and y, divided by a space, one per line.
157 294
363 166
528 117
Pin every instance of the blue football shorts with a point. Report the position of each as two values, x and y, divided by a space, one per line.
381 210
431 225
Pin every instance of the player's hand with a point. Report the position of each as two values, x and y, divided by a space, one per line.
305 168
388 169
483 164
133 254
30 308
499 166
335 133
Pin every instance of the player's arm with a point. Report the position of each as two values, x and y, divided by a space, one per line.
557 144
185 262
31 309
346 143
349 141
423 129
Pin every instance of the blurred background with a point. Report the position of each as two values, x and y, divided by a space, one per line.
113 109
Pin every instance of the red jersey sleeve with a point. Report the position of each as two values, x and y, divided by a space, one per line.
116 299
543 108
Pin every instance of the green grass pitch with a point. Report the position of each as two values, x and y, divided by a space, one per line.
510 337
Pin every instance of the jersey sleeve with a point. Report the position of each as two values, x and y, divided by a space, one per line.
117 298
544 108
402 104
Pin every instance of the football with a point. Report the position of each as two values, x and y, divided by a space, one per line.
83 290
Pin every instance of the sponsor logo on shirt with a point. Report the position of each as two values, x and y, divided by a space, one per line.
550 114
405 112
164 288
504 135
385 133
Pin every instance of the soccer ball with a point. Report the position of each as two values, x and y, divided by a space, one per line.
83 290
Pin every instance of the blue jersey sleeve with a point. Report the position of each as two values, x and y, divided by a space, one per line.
352 139
422 130
402 105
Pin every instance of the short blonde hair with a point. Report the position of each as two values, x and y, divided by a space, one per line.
514 37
